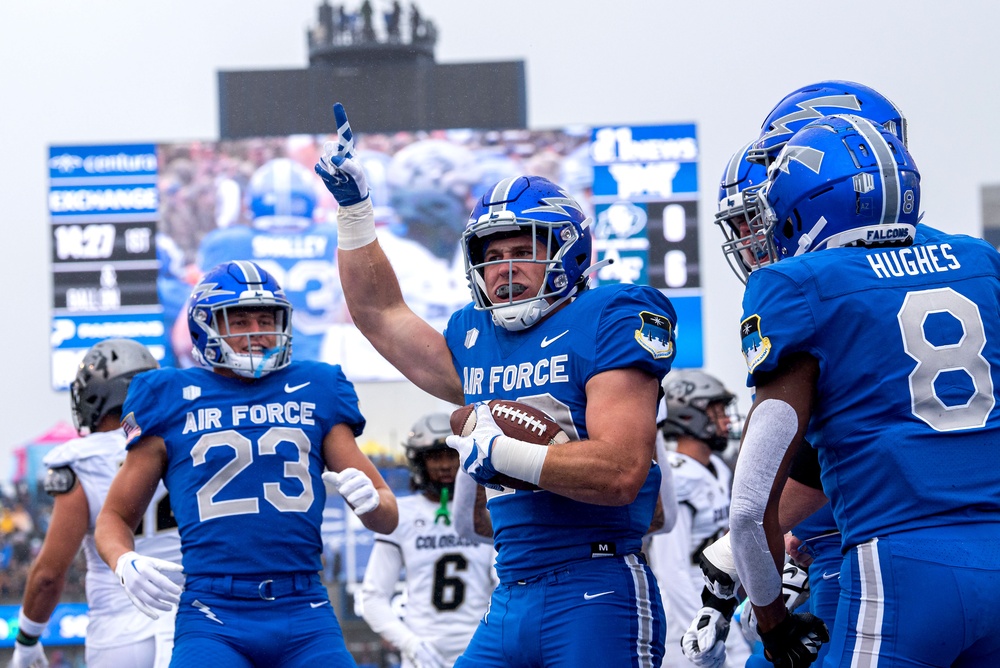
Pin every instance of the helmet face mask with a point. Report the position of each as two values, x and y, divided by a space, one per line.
102 380
428 435
841 181
231 292
699 406
747 246
535 208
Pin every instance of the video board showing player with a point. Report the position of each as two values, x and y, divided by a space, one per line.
135 226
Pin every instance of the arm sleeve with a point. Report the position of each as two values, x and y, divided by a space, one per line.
668 494
673 572
377 589
805 467
463 509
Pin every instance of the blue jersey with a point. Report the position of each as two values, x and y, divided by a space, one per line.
548 366
244 461
908 345
304 264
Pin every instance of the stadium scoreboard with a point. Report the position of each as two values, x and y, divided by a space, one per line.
103 207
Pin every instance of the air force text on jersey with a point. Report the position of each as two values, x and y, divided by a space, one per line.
516 376
289 412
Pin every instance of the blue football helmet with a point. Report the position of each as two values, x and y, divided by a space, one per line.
840 181
811 102
536 206
229 287
738 208
281 194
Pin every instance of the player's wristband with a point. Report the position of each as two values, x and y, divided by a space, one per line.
727 606
356 225
28 630
518 459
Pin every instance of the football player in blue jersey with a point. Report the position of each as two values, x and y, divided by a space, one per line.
284 239
574 587
742 179
242 446
883 343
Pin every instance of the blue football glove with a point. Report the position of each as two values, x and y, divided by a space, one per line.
343 176
474 450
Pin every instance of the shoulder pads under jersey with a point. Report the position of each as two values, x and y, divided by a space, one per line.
59 480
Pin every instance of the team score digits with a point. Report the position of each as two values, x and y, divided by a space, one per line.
242 457
449 589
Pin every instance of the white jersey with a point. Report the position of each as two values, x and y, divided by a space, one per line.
114 620
702 518
448 581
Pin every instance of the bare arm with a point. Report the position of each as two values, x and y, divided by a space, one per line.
769 447
610 467
130 494
376 304
47 577
340 451
798 502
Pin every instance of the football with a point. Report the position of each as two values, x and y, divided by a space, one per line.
516 420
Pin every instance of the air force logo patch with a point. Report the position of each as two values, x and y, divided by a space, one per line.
755 346
656 334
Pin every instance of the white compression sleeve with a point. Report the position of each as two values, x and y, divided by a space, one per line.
769 434
668 495
463 508
355 225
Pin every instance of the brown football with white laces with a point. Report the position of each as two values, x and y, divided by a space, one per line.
517 420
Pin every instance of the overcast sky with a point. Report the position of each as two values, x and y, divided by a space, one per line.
124 71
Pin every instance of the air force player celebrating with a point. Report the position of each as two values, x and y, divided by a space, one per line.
573 586
242 447
885 344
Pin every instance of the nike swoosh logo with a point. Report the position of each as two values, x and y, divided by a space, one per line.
827 576
289 388
316 605
546 342
587 597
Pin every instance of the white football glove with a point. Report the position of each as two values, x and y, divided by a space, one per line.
794 586
423 654
29 656
146 584
719 568
704 643
356 488
343 176
474 450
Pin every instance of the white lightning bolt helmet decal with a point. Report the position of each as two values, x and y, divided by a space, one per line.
808 103
841 181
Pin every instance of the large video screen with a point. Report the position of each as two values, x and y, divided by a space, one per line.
135 226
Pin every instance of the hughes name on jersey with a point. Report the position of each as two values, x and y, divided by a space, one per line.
242 457
548 366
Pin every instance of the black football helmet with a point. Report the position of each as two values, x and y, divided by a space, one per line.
103 379
688 394
427 435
